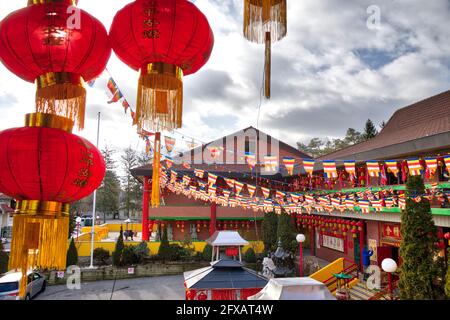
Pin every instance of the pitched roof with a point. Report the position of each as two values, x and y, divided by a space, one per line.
231 170
423 119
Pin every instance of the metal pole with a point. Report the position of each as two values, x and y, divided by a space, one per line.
93 205
390 285
301 259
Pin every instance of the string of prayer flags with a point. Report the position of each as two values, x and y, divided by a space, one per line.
431 165
373 168
308 165
364 205
230 182
266 192
289 163
251 190
125 105
250 159
211 178
239 186
199 173
170 143
350 167
329 167
211 190
270 163
214 151
392 166
447 162
186 165
169 163
414 167
186 180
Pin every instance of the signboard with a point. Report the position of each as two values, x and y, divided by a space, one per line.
333 243
372 243
391 231
130 270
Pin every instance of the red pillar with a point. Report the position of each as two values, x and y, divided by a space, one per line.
212 222
361 246
145 201
311 241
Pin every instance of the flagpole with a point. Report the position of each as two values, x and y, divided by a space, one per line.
91 266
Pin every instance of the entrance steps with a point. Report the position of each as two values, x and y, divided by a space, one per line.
361 292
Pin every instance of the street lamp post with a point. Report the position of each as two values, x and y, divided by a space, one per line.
389 266
300 239
78 221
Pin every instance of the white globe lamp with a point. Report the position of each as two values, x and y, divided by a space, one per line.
300 238
389 265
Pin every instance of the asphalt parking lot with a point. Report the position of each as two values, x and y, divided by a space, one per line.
153 288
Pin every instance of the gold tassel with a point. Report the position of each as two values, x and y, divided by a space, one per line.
156 169
40 231
160 98
265 15
267 66
62 94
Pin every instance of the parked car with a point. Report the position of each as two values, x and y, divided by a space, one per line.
10 283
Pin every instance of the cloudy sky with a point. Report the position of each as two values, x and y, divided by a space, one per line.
331 72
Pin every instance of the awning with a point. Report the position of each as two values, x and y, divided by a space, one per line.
226 238
294 289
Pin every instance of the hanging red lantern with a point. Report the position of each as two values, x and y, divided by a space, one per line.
167 40
44 168
46 44
360 225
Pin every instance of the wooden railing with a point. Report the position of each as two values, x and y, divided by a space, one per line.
349 268
343 265
385 293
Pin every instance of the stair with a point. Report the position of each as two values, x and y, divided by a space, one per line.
360 292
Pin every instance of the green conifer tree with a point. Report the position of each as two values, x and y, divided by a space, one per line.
72 254
369 130
164 248
418 247
117 255
286 232
269 231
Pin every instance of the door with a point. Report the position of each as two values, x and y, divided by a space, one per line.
383 252
356 251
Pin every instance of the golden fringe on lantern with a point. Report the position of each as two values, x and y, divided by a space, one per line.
40 232
62 94
159 104
265 15
267 66
156 169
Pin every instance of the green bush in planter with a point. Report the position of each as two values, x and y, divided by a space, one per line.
250 256
207 252
101 256
141 251
129 256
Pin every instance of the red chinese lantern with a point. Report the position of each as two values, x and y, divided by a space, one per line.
45 168
265 21
58 48
164 39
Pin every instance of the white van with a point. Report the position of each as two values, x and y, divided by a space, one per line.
10 283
